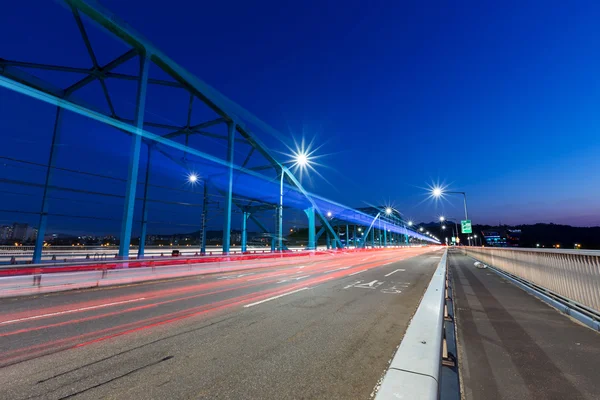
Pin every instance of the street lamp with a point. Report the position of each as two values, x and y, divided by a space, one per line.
421 229
329 214
300 159
438 192
442 219
388 210
192 178
410 223
443 226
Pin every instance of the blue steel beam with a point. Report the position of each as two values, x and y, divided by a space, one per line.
312 243
142 245
39 241
134 160
229 191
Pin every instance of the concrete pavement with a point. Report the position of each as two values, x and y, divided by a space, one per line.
319 330
514 346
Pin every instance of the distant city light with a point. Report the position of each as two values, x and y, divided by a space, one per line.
329 214
442 219
421 229
443 226
410 223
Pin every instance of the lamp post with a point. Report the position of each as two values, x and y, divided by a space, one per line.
438 192
301 160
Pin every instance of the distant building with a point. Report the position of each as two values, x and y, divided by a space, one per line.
19 231
513 237
30 234
6 233
494 238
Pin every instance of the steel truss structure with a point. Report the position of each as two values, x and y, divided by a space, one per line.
223 174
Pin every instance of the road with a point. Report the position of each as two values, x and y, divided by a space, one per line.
323 329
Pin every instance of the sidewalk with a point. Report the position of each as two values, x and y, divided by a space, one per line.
514 346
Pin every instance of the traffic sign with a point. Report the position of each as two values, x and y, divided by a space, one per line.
453 239
466 226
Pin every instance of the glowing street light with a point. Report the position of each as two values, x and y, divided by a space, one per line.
421 229
388 210
329 214
437 192
410 223
442 219
301 159
443 226
192 178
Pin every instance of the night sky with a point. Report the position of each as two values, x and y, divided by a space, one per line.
500 100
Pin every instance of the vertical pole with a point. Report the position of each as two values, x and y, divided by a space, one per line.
347 236
134 160
245 217
354 236
39 241
373 237
142 245
310 213
280 213
384 237
328 241
229 192
204 215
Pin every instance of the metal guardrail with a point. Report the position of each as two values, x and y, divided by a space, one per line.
572 274
415 370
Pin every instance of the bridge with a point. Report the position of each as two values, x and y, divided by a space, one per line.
315 299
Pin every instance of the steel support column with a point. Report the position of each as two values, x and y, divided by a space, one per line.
204 216
280 213
142 245
229 192
134 160
384 237
355 239
245 217
310 213
372 237
347 236
39 241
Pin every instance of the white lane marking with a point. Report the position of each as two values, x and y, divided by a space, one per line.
337 269
275 297
352 284
358 272
393 272
302 266
293 279
369 285
116 303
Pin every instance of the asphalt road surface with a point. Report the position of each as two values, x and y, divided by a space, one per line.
319 329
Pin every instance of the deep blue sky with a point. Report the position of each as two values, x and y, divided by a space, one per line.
498 99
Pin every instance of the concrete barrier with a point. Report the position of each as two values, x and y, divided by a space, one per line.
414 372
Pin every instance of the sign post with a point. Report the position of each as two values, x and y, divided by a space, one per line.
466 226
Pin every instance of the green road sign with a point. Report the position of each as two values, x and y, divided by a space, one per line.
453 239
466 226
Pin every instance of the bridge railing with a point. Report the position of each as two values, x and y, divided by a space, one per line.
572 274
